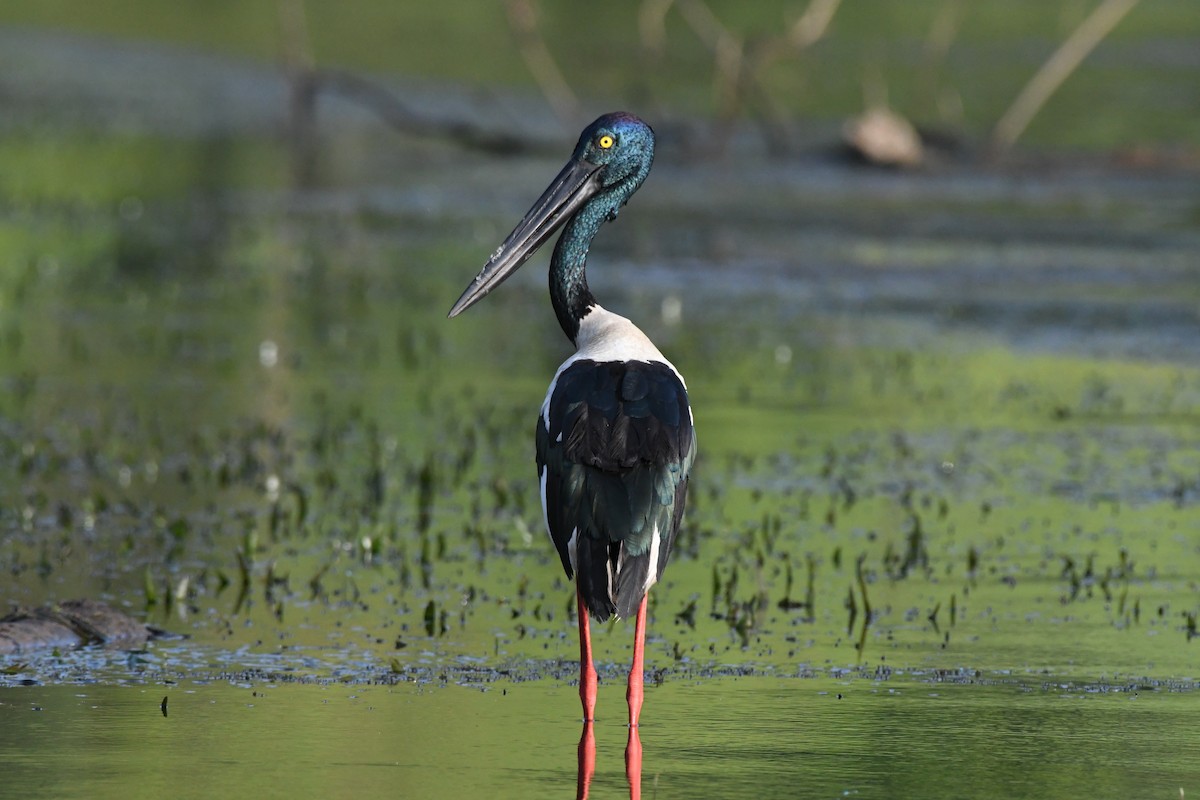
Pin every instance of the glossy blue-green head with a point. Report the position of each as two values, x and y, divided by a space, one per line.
610 161
623 147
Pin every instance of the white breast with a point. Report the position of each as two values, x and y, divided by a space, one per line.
605 336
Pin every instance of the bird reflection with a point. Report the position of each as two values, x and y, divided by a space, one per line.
633 763
587 762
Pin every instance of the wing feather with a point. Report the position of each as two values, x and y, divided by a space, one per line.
615 446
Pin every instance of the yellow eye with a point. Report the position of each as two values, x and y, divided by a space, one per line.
605 142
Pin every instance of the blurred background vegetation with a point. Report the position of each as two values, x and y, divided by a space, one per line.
948 65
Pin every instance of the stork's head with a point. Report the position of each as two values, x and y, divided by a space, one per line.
622 146
610 162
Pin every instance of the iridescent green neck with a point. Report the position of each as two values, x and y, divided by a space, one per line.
568 268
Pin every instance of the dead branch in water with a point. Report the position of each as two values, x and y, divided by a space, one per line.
302 91
306 82
1057 69
944 104
522 19
738 65
399 116
808 29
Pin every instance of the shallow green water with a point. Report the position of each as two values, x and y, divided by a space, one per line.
755 737
950 466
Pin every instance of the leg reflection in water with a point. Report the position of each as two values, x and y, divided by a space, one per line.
633 763
587 762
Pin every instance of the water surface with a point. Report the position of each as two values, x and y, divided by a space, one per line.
744 737
943 537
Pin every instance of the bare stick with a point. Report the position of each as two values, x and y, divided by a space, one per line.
1056 70
401 117
652 34
734 81
728 77
726 49
522 18
813 23
942 34
652 25
806 31
306 82
738 67
702 20
302 91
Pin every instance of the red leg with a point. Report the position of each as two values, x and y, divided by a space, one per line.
587 673
633 763
635 693
587 761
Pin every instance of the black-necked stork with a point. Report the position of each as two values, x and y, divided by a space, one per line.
615 441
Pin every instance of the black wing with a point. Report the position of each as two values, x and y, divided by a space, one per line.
614 448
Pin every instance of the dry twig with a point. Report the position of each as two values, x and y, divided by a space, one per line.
522 18
1057 69
738 65
302 91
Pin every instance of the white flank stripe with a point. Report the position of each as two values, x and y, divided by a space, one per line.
549 394
545 511
571 551
652 574
612 582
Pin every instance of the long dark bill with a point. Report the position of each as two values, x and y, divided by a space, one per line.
577 182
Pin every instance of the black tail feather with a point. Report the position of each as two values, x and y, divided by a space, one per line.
595 561
631 584
591 571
